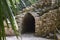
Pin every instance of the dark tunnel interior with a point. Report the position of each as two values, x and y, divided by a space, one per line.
28 24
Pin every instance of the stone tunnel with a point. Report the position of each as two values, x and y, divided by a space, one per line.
27 22
31 22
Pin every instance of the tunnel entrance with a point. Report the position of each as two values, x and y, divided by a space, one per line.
28 25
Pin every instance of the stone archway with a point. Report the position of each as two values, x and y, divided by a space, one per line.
30 19
28 23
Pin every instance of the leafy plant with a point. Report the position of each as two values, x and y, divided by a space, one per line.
6 13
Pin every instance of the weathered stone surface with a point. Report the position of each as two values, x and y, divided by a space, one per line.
58 21
44 24
47 24
48 21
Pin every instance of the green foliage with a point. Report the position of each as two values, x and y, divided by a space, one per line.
13 5
33 1
6 12
26 3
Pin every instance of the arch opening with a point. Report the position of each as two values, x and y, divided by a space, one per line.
28 24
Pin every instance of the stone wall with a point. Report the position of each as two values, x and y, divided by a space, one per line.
20 18
47 19
47 23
